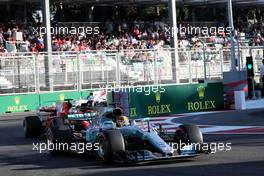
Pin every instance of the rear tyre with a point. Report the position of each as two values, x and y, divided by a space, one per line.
111 144
32 126
59 136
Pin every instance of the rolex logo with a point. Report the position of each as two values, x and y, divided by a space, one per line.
201 92
62 97
158 96
17 100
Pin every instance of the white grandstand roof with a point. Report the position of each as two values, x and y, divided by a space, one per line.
185 2
182 2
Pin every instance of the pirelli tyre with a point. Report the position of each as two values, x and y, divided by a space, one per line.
32 126
59 136
188 134
191 134
111 145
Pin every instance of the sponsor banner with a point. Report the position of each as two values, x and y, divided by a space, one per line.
160 101
177 99
19 103
31 102
48 99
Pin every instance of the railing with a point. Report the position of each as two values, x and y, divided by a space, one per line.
48 72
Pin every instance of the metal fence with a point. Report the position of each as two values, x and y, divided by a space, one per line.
48 72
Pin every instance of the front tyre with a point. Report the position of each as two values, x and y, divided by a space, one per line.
188 135
111 144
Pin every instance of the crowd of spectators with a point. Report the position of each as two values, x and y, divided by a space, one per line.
108 39
120 36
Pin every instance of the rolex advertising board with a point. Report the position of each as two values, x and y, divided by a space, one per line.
30 102
148 101
18 103
177 99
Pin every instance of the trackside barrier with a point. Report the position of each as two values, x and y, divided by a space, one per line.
168 100
146 101
30 102
240 100
234 81
29 73
18 103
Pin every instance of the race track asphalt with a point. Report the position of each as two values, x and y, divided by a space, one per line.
246 157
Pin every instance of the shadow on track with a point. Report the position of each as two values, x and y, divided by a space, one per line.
241 169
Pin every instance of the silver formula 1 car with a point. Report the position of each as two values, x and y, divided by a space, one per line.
120 140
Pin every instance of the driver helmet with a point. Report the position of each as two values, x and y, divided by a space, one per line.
122 121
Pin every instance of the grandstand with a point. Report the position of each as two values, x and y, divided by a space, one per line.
122 2
23 6
134 51
187 2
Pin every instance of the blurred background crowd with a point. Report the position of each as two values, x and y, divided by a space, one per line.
116 36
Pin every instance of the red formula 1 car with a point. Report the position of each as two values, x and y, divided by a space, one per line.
47 119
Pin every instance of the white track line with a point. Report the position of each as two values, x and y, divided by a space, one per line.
171 126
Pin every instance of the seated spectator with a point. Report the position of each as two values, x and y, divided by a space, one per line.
2 49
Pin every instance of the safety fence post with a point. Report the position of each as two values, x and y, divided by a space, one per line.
36 73
79 75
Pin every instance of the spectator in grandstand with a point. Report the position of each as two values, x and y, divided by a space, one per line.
258 40
2 49
183 43
136 32
33 48
2 39
150 44
40 43
8 34
262 76
258 56
55 46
